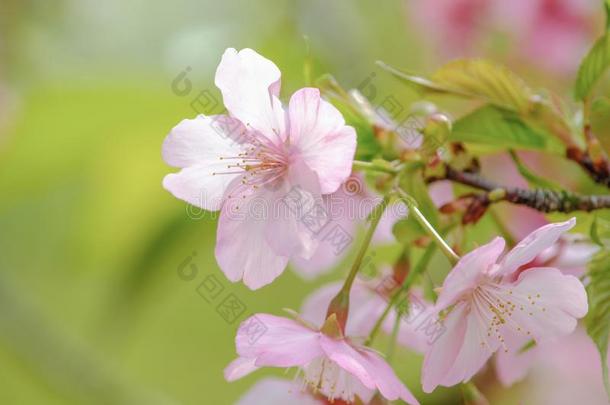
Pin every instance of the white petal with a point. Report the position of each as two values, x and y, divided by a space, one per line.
468 271
547 304
242 251
250 85
197 146
532 245
320 136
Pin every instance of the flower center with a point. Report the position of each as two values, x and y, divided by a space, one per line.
260 163
324 376
496 306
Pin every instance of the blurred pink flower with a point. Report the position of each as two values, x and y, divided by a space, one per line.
553 34
276 391
347 208
245 165
368 300
570 253
571 362
488 310
334 367
453 25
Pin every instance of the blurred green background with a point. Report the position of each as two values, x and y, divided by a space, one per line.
92 309
92 306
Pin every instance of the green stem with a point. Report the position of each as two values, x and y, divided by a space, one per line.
340 303
370 166
472 395
375 218
413 210
417 270
393 337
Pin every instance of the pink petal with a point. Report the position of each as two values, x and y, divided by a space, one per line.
240 367
558 301
387 382
344 212
513 366
276 391
574 254
532 245
441 192
288 230
320 136
196 146
457 354
242 251
342 353
368 367
282 343
467 272
250 85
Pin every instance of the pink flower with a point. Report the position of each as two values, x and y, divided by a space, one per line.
334 367
572 363
348 207
487 310
246 163
553 34
368 300
276 391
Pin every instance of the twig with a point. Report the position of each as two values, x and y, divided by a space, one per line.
543 200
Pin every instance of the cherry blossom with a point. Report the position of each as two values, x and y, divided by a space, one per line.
330 365
484 309
245 164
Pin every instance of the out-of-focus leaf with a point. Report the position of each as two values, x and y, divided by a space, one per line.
600 121
494 84
475 78
492 126
600 231
593 67
598 318
486 80
413 183
407 230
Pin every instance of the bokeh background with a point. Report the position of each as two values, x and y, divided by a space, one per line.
93 307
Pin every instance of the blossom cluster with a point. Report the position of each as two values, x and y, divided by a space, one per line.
296 159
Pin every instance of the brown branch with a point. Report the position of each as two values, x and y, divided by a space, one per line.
543 200
593 159
597 169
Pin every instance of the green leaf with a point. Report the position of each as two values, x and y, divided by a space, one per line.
600 231
473 78
494 84
593 67
413 183
598 318
407 230
485 80
600 121
499 128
